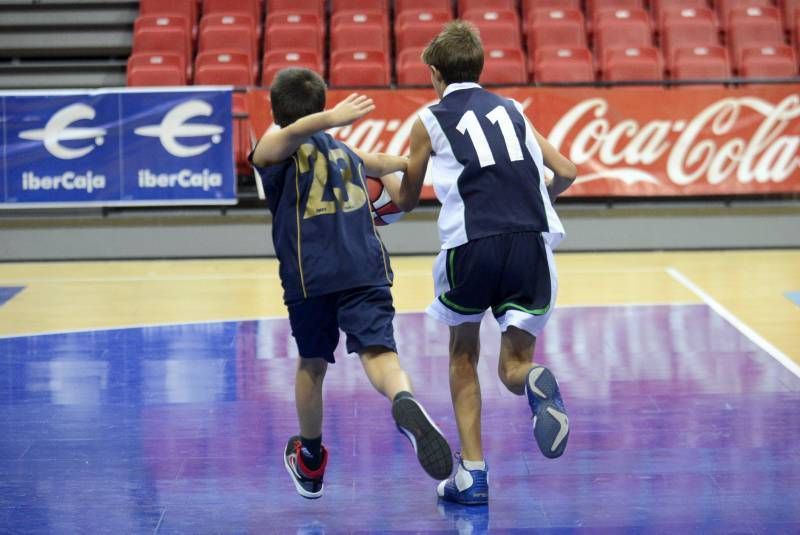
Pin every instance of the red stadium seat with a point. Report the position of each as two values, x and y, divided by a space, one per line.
239 22
498 29
561 64
555 27
234 7
529 6
417 28
359 69
231 39
752 27
344 21
156 70
371 17
185 8
297 6
724 8
294 19
166 21
593 7
276 60
465 6
774 61
660 7
359 37
410 68
632 63
687 27
359 5
789 9
223 68
401 6
294 37
621 28
700 63
504 66
161 40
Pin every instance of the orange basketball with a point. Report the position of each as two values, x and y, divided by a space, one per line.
384 211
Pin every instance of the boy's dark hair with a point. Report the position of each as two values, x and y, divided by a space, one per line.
456 52
296 93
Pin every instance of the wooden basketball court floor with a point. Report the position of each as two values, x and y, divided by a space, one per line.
140 397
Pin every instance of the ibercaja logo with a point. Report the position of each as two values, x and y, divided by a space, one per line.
179 144
61 148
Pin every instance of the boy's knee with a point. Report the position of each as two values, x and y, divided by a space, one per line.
313 367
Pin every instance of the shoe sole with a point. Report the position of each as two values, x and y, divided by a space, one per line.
300 490
551 425
433 451
464 502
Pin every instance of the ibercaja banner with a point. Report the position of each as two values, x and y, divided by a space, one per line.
626 142
113 147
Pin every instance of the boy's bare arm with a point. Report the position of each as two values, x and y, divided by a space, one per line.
563 169
411 184
378 164
274 147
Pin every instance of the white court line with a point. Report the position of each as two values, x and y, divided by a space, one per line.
752 335
260 318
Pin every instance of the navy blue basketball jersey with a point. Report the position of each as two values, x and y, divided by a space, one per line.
487 168
321 222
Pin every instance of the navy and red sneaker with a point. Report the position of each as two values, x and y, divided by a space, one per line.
307 482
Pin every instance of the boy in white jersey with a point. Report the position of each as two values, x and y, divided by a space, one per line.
497 227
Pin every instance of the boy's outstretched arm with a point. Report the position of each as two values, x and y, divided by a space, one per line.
411 185
274 147
563 169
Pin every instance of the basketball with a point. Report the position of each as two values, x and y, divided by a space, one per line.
384 211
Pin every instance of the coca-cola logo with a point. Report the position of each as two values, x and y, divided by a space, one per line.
709 145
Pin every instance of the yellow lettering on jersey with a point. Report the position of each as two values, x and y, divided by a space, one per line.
316 205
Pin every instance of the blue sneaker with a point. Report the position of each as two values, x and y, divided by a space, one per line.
550 421
467 487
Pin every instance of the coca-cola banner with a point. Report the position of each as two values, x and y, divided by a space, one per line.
626 141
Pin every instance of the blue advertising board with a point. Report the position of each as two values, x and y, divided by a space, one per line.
117 147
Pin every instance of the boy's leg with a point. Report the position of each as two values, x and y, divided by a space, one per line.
308 396
316 333
382 367
465 389
470 484
384 372
516 358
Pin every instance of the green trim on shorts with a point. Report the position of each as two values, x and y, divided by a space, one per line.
451 267
534 312
458 308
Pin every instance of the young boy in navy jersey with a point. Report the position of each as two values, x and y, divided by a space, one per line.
497 227
334 269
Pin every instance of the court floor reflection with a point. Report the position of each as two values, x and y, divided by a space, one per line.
679 424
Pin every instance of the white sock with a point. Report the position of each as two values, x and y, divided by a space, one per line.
474 465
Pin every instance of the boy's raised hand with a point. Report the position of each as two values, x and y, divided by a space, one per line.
352 108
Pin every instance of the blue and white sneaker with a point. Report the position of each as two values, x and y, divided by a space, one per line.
467 487
550 421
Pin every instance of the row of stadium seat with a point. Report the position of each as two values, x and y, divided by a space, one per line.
230 37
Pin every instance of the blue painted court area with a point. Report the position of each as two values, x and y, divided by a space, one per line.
794 297
8 292
679 424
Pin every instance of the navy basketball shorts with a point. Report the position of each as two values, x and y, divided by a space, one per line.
364 314
514 275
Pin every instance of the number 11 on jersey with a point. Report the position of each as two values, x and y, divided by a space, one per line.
469 125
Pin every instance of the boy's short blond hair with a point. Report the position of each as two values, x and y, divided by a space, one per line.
456 52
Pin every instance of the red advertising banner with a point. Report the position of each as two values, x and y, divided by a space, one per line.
626 142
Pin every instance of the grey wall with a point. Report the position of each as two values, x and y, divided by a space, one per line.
230 233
